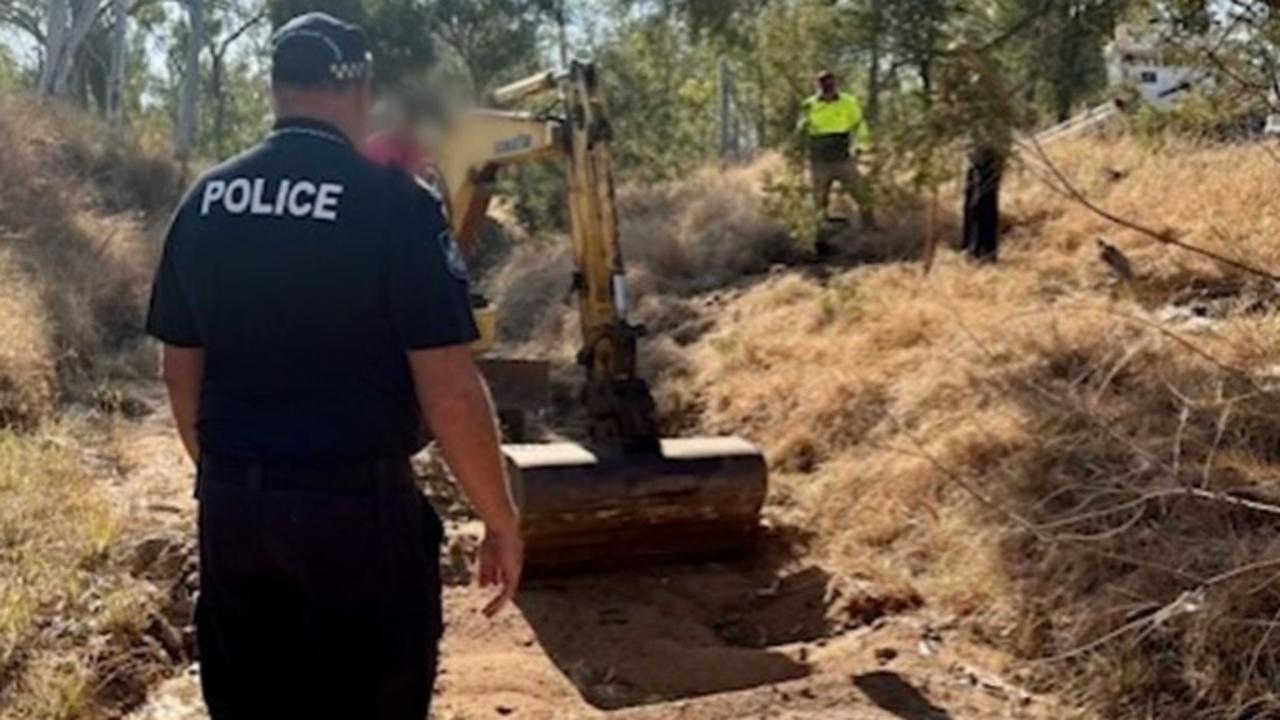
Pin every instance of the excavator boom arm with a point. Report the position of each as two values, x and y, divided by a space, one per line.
617 400
485 142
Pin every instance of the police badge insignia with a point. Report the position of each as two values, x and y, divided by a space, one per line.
453 258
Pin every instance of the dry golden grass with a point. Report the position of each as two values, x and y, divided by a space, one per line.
26 357
701 233
74 620
1054 456
75 206
77 627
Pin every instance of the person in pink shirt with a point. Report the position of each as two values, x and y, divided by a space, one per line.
399 145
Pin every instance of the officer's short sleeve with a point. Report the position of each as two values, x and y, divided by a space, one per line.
170 316
428 290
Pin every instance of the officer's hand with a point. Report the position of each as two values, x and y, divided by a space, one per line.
501 562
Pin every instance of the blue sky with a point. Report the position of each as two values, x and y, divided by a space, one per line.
18 45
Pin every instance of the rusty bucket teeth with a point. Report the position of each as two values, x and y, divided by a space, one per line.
697 498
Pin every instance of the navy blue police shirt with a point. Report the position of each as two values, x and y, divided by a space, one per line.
306 273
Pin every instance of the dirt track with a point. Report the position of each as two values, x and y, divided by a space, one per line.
754 640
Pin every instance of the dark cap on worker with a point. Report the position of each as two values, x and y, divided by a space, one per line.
317 49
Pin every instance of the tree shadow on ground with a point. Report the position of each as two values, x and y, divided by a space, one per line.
627 639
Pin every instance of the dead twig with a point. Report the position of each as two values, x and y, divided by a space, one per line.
1065 187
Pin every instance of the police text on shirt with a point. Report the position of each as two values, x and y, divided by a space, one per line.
289 198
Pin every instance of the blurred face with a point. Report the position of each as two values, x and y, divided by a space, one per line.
828 85
406 128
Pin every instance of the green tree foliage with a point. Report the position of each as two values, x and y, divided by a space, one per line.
662 62
916 31
233 107
495 40
662 92
9 74
240 102
1239 42
792 42
1196 16
912 62
1058 50
904 58
727 19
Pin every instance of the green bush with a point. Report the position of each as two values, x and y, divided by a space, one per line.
1197 116
788 200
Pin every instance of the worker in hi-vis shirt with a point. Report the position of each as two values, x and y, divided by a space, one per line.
316 323
833 123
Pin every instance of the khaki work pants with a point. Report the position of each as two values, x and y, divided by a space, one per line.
826 174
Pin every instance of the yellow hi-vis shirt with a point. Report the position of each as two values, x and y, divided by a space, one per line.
841 116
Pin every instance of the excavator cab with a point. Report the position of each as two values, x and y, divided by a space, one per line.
624 494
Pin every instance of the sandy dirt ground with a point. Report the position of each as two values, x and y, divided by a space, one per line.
757 639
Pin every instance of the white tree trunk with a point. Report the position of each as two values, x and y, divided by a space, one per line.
55 39
68 26
83 17
190 101
119 55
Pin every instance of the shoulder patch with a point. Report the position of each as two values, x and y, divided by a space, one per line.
453 258
430 188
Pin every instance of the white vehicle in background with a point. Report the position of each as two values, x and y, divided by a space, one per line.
1137 64
1140 62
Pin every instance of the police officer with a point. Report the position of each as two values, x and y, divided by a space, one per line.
314 313
832 121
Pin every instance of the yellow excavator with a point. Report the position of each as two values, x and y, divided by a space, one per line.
624 495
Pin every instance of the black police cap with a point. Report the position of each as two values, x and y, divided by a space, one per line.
317 49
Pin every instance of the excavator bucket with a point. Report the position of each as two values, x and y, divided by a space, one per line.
694 499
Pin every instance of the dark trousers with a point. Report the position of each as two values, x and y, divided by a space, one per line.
981 237
317 603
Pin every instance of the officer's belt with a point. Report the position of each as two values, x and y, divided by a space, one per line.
357 477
